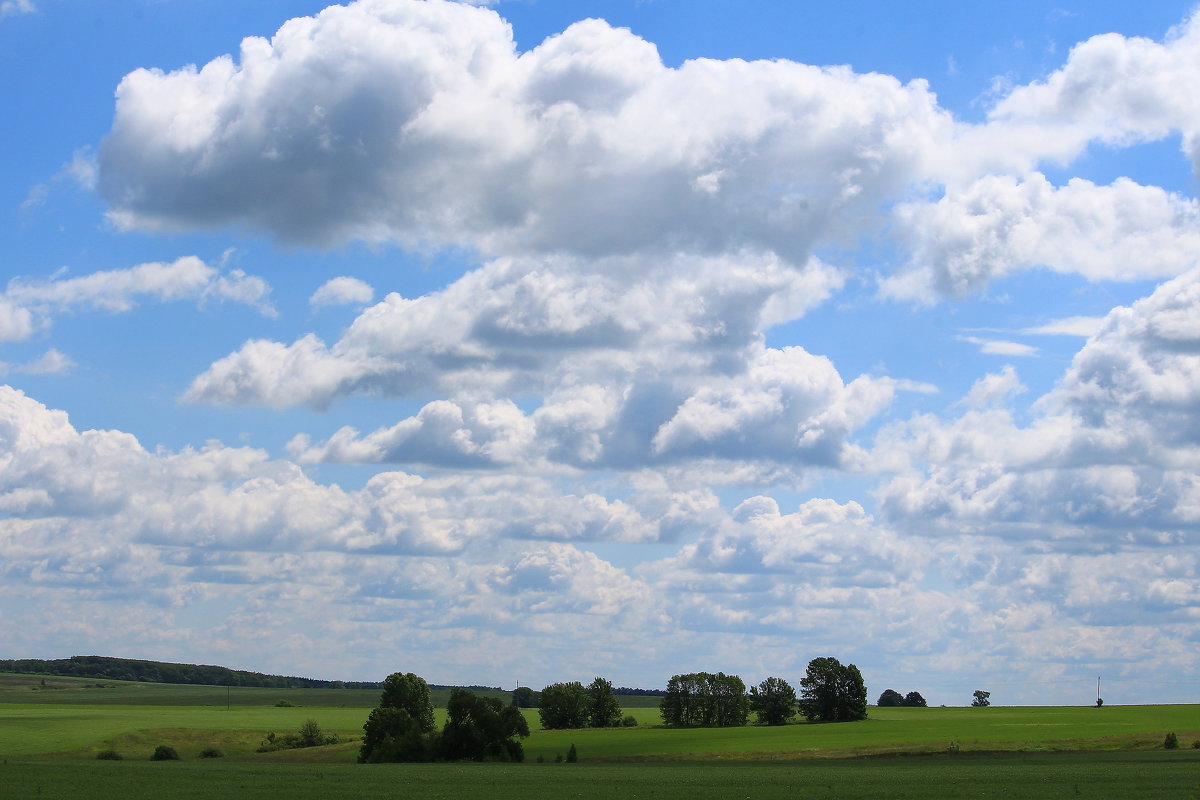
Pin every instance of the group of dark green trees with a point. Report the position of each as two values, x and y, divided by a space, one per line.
573 705
892 698
829 692
477 728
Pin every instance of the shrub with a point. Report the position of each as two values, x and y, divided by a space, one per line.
1099 702
285 704
164 752
630 721
1196 744
1171 742
108 755
572 756
211 752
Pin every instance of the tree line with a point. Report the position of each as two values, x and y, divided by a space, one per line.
830 692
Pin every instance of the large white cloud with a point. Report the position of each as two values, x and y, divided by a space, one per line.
1000 224
419 122
1112 453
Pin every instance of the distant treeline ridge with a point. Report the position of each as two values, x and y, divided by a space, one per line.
130 669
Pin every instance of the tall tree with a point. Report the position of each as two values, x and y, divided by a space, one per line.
890 697
563 705
524 697
830 692
603 709
400 728
773 701
411 693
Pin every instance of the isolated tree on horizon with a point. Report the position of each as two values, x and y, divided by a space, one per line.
773 701
981 699
914 700
831 692
890 698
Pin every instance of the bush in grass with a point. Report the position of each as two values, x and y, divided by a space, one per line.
1196 744
1171 742
572 756
285 704
164 752
630 721
108 755
211 752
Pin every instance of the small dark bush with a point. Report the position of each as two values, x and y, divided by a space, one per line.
1171 742
1099 702
108 755
572 756
629 721
211 752
558 758
285 704
1196 745
164 752
541 760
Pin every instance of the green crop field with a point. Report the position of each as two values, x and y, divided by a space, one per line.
50 734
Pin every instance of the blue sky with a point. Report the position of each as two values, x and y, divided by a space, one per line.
536 341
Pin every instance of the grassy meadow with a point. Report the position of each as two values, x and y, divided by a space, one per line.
49 736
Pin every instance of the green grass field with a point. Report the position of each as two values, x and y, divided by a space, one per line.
49 736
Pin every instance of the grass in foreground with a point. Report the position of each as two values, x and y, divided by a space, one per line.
1042 775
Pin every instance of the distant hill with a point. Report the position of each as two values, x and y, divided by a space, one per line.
131 669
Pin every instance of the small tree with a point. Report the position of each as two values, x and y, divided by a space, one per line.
890 698
914 700
773 701
164 752
572 756
524 697
1171 742
603 709
981 699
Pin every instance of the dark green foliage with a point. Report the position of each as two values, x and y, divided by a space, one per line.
109 755
400 728
1196 744
1099 702
524 697
211 752
1171 742
410 693
564 705
981 699
392 735
773 701
629 721
285 704
914 700
164 752
603 709
705 700
572 756
890 699
830 692
481 729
